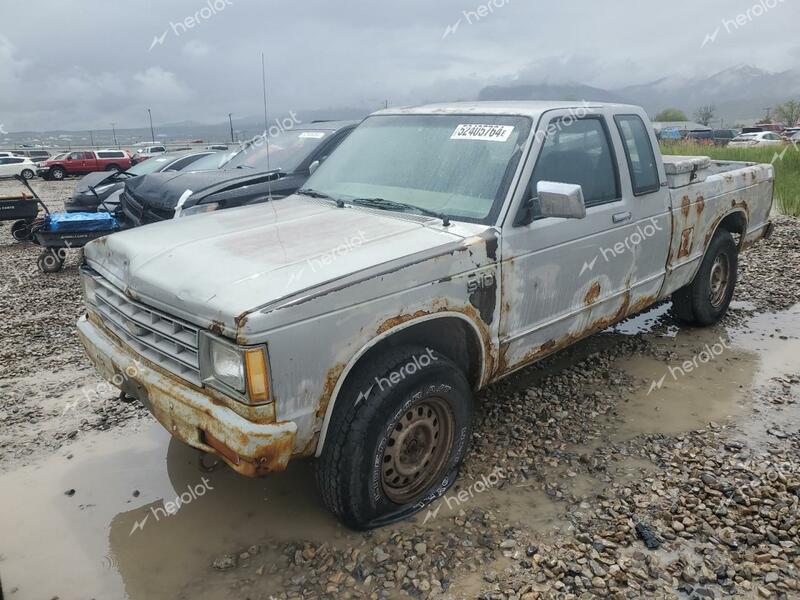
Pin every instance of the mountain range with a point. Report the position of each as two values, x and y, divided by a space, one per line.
740 94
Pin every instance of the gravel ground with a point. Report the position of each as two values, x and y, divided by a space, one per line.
48 391
555 500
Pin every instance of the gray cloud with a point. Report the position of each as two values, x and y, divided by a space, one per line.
84 65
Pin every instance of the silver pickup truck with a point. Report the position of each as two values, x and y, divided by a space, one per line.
437 250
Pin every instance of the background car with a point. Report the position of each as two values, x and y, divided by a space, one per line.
703 137
146 152
35 155
82 162
752 140
255 173
105 184
723 137
17 165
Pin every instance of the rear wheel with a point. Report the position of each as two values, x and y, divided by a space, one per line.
27 174
57 173
112 168
396 439
706 300
21 231
51 260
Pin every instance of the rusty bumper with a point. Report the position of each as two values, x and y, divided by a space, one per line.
249 448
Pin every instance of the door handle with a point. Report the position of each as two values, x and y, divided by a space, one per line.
621 217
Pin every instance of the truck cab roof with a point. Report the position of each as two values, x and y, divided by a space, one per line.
528 108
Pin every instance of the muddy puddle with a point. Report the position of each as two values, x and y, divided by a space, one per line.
134 515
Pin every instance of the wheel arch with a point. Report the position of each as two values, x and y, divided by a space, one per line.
735 222
463 346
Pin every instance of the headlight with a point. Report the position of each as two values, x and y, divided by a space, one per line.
199 209
227 366
231 368
89 290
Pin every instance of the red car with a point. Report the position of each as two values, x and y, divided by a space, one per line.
80 163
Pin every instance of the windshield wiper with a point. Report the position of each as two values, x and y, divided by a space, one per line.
315 194
384 204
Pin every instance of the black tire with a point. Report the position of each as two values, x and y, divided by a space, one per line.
112 168
706 300
21 231
57 173
27 174
50 261
354 472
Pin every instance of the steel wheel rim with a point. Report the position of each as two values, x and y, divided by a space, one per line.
417 450
718 279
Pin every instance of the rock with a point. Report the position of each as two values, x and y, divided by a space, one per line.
224 562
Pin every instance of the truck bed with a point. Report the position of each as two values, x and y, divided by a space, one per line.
702 193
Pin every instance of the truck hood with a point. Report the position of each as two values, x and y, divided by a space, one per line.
163 190
213 268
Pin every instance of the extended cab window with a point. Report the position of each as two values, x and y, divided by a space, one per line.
639 152
577 151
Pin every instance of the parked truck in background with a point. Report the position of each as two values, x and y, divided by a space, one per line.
83 162
437 250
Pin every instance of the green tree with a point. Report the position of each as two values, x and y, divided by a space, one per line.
788 113
705 114
671 114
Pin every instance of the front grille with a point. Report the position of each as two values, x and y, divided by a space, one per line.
137 213
164 340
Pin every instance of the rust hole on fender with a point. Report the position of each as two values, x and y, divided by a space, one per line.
593 294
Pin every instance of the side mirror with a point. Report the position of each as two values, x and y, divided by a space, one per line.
69 158
561 200
313 167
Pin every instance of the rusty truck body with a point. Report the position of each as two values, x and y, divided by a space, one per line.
483 236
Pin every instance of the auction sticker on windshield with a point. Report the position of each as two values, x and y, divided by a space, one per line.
316 135
491 133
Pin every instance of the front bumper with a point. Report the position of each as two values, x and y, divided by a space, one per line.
185 411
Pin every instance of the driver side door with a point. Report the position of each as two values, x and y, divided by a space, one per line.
564 279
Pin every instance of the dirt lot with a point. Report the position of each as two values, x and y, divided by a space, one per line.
615 468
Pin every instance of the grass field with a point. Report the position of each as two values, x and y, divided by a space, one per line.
787 169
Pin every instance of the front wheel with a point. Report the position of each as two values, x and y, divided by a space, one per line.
51 260
398 438
27 174
706 300
58 173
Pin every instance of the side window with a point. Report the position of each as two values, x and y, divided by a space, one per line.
639 152
578 151
181 163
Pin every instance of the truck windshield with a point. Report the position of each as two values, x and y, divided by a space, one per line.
287 150
455 165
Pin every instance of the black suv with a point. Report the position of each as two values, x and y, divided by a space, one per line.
253 174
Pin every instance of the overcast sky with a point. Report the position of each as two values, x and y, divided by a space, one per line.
86 63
